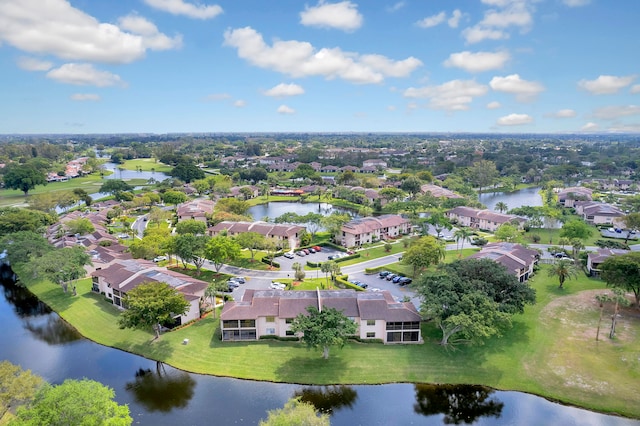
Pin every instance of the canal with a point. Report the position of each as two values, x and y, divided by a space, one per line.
157 394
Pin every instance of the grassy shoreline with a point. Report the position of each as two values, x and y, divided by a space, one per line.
550 351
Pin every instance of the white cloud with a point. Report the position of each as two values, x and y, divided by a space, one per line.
494 105
84 75
589 127
606 84
506 14
34 64
55 27
635 88
85 97
151 37
180 7
391 108
576 3
454 21
396 7
343 16
616 111
283 109
477 34
301 59
477 62
513 84
563 113
240 103
282 90
454 95
432 21
514 120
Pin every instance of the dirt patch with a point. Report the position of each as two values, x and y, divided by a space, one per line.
570 310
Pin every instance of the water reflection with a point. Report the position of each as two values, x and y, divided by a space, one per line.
52 330
162 390
328 399
458 403
24 303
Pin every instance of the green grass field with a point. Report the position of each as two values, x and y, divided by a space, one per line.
550 351
146 165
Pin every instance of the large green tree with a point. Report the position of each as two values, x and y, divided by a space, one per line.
22 245
482 174
323 328
191 249
14 219
187 172
24 177
191 226
61 265
17 386
623 271
151 304
439 222
473 299
423 253
632 223
333 223
576 228
74 402
295 413
113 186
251 241
221 249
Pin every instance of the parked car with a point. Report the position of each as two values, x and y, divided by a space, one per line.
289 255
311 250
305 251
397 279
239 280
383 274
159 258
300 253
561 255
233 284
363 285
390 277
277 286
404 281
317 248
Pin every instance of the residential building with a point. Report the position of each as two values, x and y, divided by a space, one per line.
438 191
271 312
196 209
116 280
595 259
481 219
369 229
596 213
568 196
518 259
375 163
289 235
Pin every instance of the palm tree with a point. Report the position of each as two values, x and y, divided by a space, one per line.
325 267
462 234
501 206
563 241
577 245
563 269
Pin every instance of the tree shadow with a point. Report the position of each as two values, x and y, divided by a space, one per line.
322 370
328 399
458 403
161 389
54 331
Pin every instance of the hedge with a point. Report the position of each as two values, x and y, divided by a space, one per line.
268 261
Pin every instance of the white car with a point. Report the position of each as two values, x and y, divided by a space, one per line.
277 286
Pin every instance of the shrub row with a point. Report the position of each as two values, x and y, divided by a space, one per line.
282 339
267 260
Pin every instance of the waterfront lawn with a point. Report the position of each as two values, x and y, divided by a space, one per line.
146 165
550 351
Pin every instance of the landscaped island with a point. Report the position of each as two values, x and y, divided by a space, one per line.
550 351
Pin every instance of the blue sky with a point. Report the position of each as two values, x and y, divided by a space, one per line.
162 66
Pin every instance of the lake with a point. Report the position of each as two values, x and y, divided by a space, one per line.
277 208
117 173
523 197
39 340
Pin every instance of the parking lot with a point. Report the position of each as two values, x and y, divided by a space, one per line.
322 256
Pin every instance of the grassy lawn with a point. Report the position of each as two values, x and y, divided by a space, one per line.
90 183
146 165
550 351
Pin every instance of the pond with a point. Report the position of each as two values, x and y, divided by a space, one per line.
117 173
523 197
157 394
277 208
